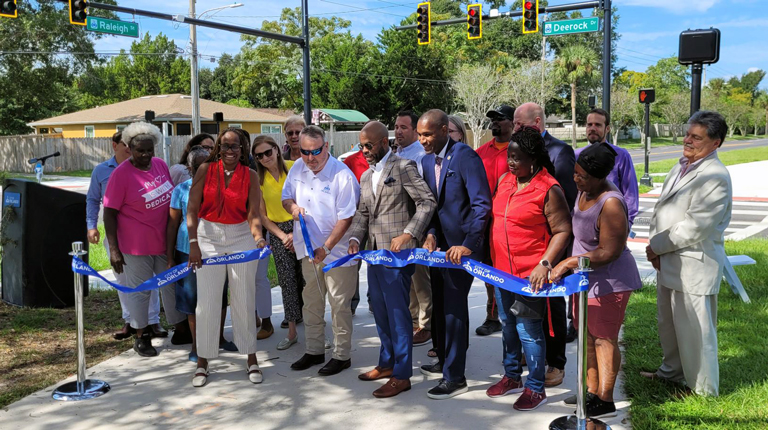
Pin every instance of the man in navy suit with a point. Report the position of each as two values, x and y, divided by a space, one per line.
456 176
562 156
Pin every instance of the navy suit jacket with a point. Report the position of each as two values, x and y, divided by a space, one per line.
464 200
563 158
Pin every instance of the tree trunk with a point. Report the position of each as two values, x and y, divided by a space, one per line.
673 129
616 132
573 114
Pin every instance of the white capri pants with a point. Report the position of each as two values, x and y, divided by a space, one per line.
154 297
217 239
137 269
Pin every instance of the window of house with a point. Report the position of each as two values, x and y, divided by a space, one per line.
209 128
90 131
120 128
183 129
43 130
231 125
271 128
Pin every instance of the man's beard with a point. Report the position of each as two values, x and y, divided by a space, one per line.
495 132
598 139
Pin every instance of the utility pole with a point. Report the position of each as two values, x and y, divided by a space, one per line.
543 71
193 64
305 54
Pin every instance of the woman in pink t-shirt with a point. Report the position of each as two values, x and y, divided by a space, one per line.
135 217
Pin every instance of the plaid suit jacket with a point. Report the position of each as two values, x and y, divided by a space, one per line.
403 202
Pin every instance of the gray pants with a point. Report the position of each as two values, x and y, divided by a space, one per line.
137 269
154 299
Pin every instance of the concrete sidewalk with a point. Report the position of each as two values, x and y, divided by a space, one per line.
158 393
745 180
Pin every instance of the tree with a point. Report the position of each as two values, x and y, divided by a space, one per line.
749 82
762 103
216 84
736 109
35 82
575 63
478 89
668 75
531 82
152 66
623 107
675 112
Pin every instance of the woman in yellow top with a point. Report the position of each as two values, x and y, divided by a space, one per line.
272 171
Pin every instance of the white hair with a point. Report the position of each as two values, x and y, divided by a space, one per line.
139 131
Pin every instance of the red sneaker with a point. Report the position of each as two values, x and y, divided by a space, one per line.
530 400
505 386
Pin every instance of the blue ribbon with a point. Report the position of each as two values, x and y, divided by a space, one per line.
565 287
307 240
175 273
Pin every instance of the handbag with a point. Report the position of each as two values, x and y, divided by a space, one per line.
528 307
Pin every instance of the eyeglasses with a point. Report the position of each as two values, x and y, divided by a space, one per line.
292 133
207 147
260 155
368 146
314 152
233 148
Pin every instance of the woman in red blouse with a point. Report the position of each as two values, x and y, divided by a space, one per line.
530 229
223 218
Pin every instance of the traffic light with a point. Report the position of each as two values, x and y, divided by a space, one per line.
78 14
424 23
647 95
474 21
530 16
8 9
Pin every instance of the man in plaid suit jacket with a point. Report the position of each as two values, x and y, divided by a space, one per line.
394 212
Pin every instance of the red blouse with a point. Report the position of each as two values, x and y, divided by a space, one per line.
225 204
519 230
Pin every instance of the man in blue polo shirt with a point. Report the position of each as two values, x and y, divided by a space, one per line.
99 178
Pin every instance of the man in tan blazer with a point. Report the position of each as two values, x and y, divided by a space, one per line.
686 248
394 212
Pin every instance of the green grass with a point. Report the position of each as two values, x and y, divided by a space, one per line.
76 173
743 354
729 158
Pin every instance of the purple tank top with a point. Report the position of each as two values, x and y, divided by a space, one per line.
619 276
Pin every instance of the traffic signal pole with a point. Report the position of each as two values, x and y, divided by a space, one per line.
303 41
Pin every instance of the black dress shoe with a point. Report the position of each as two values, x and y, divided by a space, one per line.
307 361
446 389
334 366
126 332
571 334
284 324
143 346
432 369
156 330
489 327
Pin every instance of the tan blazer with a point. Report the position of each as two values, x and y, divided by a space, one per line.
688 225
402 202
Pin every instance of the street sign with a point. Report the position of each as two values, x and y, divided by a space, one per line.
111 26
647 95
571 26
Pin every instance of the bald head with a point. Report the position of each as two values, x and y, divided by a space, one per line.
529 115
433 130
374 141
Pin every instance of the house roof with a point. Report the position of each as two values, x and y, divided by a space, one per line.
168 107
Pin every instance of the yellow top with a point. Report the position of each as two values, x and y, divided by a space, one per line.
272 191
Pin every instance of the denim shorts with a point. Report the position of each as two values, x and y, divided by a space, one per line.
186 289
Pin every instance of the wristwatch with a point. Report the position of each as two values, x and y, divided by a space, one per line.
546 264
327 251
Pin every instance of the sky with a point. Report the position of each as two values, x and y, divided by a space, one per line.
649 29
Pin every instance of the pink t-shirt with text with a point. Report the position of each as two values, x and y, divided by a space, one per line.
142 199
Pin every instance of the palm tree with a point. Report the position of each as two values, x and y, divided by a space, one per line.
573 64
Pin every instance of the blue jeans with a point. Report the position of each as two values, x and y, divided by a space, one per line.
527 334
186 289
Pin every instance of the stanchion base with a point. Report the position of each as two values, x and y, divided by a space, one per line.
92 388
570 422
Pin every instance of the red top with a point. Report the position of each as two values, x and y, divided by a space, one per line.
357 164
518 219
222 204
494 160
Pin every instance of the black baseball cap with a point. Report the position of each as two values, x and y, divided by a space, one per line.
505 111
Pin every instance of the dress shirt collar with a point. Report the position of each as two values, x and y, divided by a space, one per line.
112 162
380 165
684 161
326 173
444 150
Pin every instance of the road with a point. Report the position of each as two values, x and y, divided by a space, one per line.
667 152
748 219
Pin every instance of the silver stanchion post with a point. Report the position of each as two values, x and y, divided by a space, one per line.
580 421
83 388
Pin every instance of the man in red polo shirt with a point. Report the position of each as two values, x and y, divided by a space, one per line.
494 156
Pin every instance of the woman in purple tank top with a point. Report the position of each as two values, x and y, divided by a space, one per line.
600 229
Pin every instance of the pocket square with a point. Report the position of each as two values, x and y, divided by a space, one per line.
450 173
389 180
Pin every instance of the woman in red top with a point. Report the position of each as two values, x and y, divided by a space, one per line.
225 196
531 227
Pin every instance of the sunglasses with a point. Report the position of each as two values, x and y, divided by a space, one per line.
292 133
260 155
314 152
233 148
368 146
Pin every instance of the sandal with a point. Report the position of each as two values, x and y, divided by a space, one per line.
432 353
255 375
200 378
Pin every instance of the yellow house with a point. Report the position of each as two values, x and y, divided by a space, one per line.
175 110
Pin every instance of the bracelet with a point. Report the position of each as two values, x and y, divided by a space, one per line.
260 240
192 240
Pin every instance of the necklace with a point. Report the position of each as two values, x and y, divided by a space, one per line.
229 172
521 185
